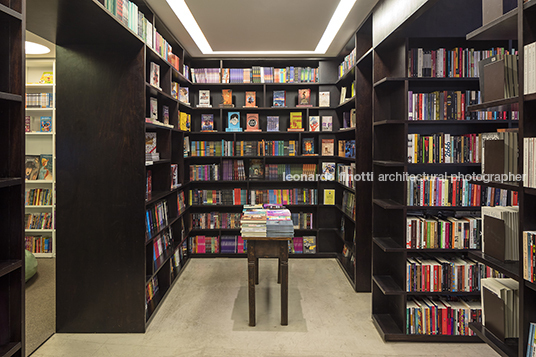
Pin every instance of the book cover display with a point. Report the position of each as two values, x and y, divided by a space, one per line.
251 99
295 121
165 114
227 98
314 123
233 122
46 124
324 99
327 123
328 171
32 165
304 98
207 122
328 147
252 122
184 95
45 169
154 109
308 148
329 196
279 98
272 123
256 169
204 99
175 90
155 75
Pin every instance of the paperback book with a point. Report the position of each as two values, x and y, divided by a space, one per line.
272 123
46 124
32 165
153 104
314 123
279 98
295 121
175 90
324 99
329 196
308 147
328 147
252 122
256 169
304 98
204 99
207 122
184 95
251 100
328 171
233 122
155 75
327 123
165 114
226 98
45 168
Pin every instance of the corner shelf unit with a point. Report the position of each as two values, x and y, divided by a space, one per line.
41 144
12 296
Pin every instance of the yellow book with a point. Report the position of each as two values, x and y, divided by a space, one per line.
329 196
183 121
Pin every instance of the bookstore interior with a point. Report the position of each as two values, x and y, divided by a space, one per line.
394 139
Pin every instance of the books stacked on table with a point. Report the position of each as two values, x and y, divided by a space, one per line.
268 221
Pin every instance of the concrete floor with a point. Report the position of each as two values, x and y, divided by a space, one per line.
206 314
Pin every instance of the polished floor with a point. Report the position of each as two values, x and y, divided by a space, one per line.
206 314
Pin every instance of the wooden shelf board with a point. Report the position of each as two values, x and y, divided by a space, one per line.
449 208
387 327
345 214
530 285
509 104
387 285
39 206
343 186
461 122
9 182
156 90
529 4
7 267
388 245
156 126
10 349
529 97
10 97
389 122
465 164
8 11
151 163
365 56
388 204
44 255
346 75
344 268
502 185
502 28
530 191
499 346
39 230
388 163
388 81
346 102
510 269
157 195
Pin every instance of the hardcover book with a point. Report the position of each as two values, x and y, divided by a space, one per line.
165 114
184 95
295 121
175 90
174 176
279 98
154 109
155 75
252 122
47 78
251 100
329 196
207 122
304 98
45 169
328 171
308 146
272 123
150 142
324 99
350 148
27 124
46 124
204 99
256 169
233 122
227 98
314 123
184 121
328 147
309 245
343 95
327 123
32 167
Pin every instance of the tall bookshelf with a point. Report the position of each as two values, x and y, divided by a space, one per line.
12 35
41 141
517 26
392 85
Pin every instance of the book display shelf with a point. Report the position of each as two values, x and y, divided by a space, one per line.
394 202
12 35
40 159
518 26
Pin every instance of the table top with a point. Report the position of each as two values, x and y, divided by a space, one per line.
266 238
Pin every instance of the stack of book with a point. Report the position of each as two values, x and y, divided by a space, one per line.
500 232
279 223
500 299
253 222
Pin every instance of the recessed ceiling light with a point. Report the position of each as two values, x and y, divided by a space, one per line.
190 24
33 48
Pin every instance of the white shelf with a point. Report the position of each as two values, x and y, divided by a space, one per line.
44 255
39 181
39 230
39 109
39 133
39 206
39 85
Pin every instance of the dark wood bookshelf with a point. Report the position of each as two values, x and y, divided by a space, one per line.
508 104
12 184
502 28
387 285
530 285
529 97
510 269
388 245
529 191
497 344
388 204
512 186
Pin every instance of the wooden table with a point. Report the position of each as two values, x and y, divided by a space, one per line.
263 247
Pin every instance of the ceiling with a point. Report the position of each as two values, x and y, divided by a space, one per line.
34 38
263 25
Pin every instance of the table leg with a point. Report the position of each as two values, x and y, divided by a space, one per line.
256 270
251 283
284 283
279 270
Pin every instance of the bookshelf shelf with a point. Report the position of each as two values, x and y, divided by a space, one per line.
349 75
10 97
461 122
10 349
530 191
347 102
158 91
529 97
388 81
511 269
367 56
388 328
508 104
389 163
529 5
388 245
530 285
512 186
344 186
445 164
388 204
152 163
40 85
8 11
7 267
499 346
389 122
502 28
387 285
346 214
9 182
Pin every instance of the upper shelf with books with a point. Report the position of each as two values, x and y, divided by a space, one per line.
502 28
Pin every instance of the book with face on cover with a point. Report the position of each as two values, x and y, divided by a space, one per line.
155 75
328 147
304 98
184 95
204 98
251 101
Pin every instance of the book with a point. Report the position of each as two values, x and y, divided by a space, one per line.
27 124
327 123
309 244
47 78
45 169
233 122
32 165
204 99
165 114
150 142
251 101
155 75
272 123
175 90
153 107
227 98
328 147
295 121
207 122
279 98
184 95
308 146
45 124
174 176
324 99
349 150
353 118
252 122
256 169
184 121
304 98
343 95
314 123
328 171
329 196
